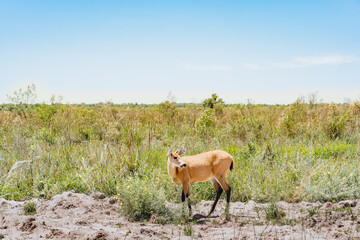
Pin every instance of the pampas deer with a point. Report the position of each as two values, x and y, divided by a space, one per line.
211 166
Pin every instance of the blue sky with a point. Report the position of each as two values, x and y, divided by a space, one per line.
138 51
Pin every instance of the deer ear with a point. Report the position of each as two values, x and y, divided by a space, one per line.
169 153
180 151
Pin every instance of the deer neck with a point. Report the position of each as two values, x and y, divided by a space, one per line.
173 170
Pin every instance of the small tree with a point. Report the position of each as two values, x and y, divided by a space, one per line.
213 101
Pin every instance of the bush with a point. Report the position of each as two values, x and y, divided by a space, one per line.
30 208
272 212
335 127
213 102
168 110
139 200
205 123
293 119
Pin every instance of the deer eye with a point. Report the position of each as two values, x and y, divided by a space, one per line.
175 158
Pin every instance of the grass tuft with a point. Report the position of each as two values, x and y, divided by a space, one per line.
272 212
30 208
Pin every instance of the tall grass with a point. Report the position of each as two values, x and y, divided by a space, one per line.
46 149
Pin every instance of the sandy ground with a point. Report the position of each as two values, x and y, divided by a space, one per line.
78 216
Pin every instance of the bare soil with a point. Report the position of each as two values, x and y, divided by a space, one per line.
78 216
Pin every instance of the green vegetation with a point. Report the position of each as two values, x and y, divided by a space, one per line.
139 200
304 151
30 208
188 231
314 210
272 212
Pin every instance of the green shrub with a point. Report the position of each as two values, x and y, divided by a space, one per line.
293 119
205 123
334 183
30 208
314 210
167 109
139 200
272 212
213 101
335 127
333 150
47 137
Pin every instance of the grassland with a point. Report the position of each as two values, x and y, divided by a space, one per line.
303 151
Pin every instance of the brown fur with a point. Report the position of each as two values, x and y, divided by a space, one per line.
206 166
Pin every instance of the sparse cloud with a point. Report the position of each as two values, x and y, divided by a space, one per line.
210 68
302 62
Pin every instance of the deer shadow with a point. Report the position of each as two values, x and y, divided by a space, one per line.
202 218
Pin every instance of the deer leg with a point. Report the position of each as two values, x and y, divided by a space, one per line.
182 196
228 193
185 194
222 181
219 191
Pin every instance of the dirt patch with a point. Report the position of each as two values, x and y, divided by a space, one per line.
78 216
100 235
55 233
28 225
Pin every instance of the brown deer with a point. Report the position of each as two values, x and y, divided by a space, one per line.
212 166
